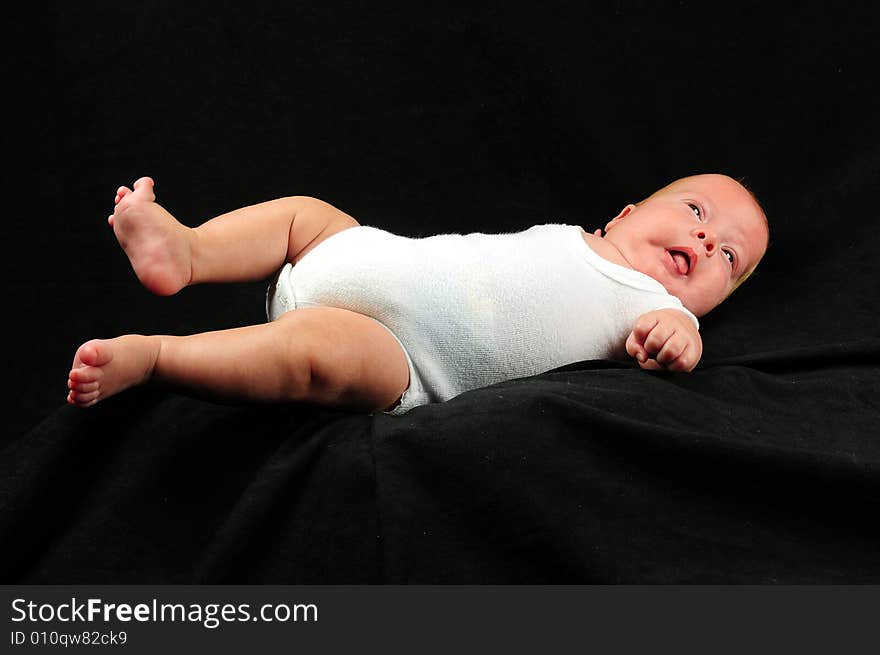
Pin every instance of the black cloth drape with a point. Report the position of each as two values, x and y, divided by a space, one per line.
762 466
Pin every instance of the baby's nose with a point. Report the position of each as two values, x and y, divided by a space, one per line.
707 238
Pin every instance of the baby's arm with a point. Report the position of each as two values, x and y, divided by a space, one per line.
665 338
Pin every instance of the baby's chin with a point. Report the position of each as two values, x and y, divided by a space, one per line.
696 306
695 300
699 309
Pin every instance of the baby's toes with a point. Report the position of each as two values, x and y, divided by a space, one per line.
144 186
94 353
84 375
120 194
82 399
82 387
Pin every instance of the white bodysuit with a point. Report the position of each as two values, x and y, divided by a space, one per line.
476 309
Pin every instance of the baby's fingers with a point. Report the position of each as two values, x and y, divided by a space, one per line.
646 338
641 330
671 355
658 338
664 339
689 358
635 348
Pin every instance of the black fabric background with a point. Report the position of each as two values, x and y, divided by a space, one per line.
761 466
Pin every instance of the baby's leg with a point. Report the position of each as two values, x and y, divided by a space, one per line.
246 244
317 355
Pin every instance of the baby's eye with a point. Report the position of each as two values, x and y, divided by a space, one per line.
696 209
730 256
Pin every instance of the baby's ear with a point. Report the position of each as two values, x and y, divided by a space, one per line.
623 214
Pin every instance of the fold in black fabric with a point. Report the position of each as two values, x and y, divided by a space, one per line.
592 474
161 488
727 475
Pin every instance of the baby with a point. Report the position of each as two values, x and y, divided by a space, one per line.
386 323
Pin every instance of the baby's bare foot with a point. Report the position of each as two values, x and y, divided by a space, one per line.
104 367
157 245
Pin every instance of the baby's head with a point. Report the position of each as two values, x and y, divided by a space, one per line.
700 237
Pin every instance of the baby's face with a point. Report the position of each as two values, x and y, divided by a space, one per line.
699 237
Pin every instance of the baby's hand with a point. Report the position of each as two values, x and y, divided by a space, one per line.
665 338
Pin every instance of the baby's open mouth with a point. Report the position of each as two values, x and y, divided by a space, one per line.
681 259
